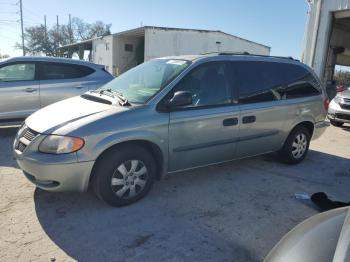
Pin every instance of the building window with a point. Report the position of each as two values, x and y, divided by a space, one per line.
128 47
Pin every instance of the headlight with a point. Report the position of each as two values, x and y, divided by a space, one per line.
54 144
338 99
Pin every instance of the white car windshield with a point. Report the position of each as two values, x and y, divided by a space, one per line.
142 82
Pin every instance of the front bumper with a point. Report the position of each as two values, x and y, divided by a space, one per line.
57 176
51 172
336 113
339 117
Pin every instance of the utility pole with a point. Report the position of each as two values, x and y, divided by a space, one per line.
57 40
21 12
45 28
70 29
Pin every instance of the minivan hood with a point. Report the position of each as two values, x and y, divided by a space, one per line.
66 111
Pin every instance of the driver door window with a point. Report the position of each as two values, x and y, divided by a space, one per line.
209 85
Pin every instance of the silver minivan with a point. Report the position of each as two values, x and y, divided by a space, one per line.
168 115
30 83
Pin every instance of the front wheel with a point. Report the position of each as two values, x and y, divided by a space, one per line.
124 175
336 123
296 146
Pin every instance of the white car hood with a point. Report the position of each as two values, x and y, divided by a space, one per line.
66 111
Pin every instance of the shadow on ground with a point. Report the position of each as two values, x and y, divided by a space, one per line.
230 212
7 136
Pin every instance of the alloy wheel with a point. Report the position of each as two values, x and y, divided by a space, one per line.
299 145
129 179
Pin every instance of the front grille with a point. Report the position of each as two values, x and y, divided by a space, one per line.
342 116
21 146
28 135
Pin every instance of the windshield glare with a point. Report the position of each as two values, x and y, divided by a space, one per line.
144 81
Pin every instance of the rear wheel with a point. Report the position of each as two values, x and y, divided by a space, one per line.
296 146
336 123
124 175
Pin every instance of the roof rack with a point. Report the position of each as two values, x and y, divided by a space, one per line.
226 53
247 53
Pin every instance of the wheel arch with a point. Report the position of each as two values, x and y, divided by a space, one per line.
151 147
308 124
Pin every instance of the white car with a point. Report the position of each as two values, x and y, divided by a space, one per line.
339 109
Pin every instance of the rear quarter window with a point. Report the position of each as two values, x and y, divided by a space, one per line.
50 71
261 81
299 82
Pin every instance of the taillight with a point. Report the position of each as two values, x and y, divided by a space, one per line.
340 89
326 103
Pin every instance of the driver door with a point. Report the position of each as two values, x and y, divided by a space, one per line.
205 132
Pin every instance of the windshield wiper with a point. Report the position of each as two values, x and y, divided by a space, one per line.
109 92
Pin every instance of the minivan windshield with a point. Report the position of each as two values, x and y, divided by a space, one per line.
144 81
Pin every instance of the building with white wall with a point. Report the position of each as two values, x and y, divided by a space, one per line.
124 50
327 37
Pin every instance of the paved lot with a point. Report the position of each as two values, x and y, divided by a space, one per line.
232 212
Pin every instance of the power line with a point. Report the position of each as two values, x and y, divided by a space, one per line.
7 13
7 3
8 21
9 31
32 12
10 38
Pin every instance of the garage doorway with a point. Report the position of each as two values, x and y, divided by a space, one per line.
338 56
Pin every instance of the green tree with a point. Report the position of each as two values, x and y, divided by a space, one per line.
38 40
342 78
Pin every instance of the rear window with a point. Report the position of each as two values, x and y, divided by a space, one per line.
260 81
51 71
300 90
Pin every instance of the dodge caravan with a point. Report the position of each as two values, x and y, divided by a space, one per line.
168 115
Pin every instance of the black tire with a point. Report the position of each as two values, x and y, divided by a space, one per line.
286 153
107 168
336 123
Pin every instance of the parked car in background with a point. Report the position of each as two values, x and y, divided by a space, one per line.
341 88
168 115
339 109
30 83
321 238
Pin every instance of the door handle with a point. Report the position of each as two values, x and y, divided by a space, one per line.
248 119
30 90
230 121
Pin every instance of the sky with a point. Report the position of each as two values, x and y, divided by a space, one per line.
279 24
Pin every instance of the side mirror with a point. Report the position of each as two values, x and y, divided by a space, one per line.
180 98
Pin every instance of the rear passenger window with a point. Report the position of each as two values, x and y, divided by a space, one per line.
64 71
260 81
300 90
209 84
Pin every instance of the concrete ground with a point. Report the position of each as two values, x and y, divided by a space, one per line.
231 212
